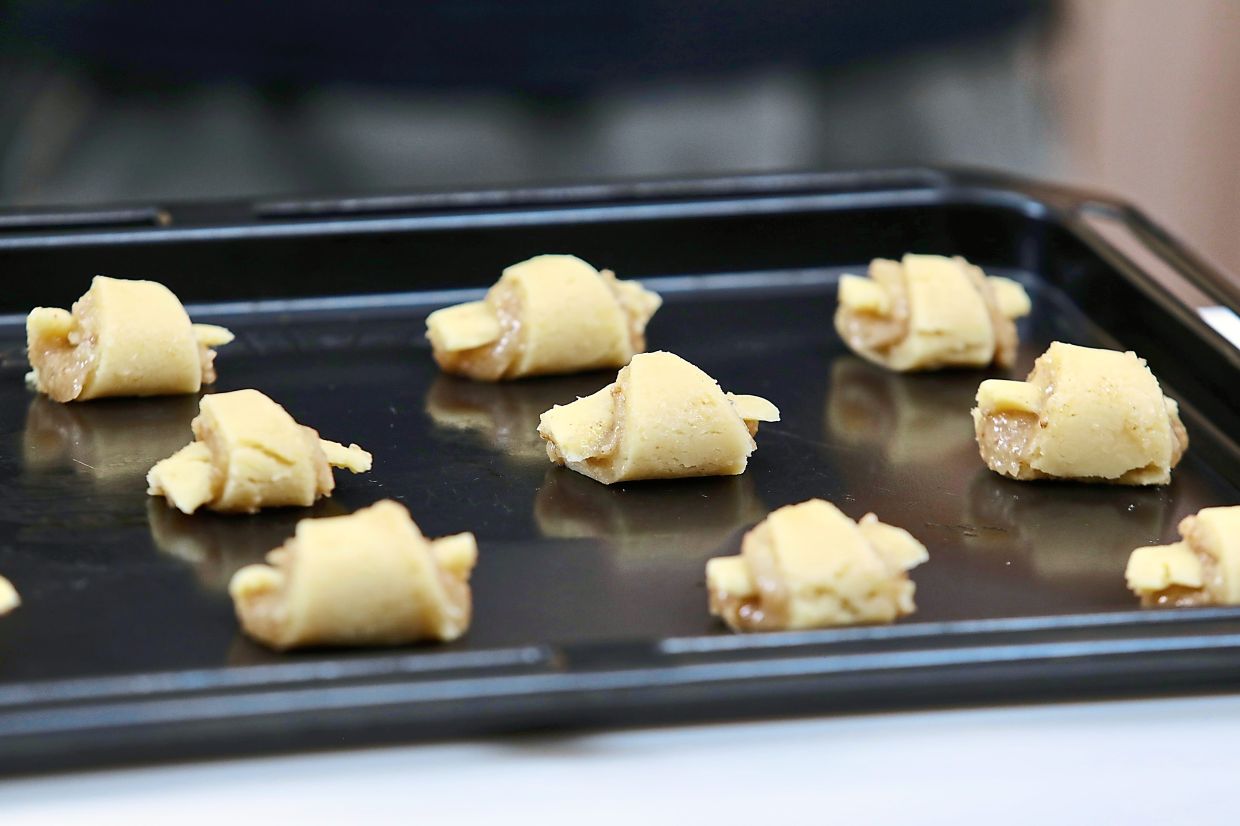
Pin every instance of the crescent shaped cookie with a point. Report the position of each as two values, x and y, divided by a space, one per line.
810 566
662 418
370 578
551 314
928 312
122 338
1083 413
1203 568
249 454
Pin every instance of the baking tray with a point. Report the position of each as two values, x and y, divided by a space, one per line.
590 601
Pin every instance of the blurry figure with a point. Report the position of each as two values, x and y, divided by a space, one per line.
645 526
909 420
504 416
119 101
218 546
113 442
1077 541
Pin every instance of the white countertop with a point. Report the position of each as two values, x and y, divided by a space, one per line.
1126 762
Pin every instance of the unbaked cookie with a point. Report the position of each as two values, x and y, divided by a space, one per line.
9 599
810 566
366 579
122 338
662 418
927 312
1083 413
550 314
1203 568
248 454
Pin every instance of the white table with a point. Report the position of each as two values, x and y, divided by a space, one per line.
1122 762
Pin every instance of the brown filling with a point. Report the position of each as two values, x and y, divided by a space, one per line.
631 303
206 360
1004 328
869 331
492 361
746 613
1005 440
1179 439
65 365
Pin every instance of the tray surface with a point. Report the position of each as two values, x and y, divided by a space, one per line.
116 582
590 603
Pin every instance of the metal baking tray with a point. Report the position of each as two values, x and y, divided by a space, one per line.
590 601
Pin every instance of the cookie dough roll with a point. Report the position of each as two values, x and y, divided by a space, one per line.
248 454
810 566
662 418
371 578
122 338
1203 568
9 599
928 312
550 314
1083 413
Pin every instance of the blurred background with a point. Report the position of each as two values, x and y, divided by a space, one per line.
108 100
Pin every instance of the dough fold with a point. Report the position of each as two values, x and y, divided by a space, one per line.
248 454
1083 413
662 418
370 578
550 314
1203 568
928 312
810 566
122 338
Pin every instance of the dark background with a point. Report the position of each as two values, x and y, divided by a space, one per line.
135 100
142 100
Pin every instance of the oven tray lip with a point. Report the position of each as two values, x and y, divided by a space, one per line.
62 723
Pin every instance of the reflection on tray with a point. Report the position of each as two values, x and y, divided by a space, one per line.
1063 530
108 440
504 415
911 419
216 546
645 521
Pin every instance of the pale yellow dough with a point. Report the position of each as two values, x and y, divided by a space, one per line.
9 599
1083 413
662 418
928 312
810 566
366 579
122 338
550 314
1203 568
249 454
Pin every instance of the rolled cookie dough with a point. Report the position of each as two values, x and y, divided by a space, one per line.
662 418
810 566
248 454
550 314
1087 414
928 312
122 338
366 579
9 600
1203 568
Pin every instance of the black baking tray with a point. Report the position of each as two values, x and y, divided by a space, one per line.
590 601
